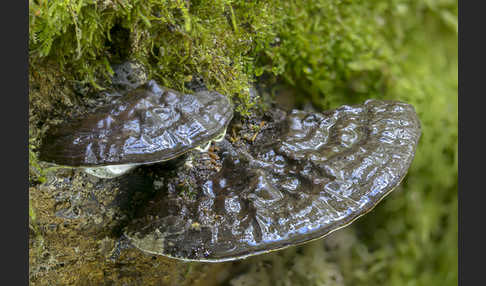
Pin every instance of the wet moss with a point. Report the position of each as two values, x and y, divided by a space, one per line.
177 40
331 51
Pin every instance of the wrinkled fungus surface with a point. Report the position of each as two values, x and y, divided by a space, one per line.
148 124
304 176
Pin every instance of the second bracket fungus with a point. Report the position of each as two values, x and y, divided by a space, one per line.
304 176
146 125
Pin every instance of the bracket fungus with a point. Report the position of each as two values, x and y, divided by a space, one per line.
146 125
304 176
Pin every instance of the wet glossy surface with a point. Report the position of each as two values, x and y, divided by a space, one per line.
148 124
305 175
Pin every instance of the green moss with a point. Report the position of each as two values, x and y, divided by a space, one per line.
329 50
36 172
175 39
308 266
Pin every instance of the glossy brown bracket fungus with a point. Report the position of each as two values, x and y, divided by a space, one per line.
305 176
146 125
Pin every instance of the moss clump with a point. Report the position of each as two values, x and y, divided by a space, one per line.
329 50
308 265
324 48
177 40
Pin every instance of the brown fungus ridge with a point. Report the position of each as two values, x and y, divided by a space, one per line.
303 177
146 125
